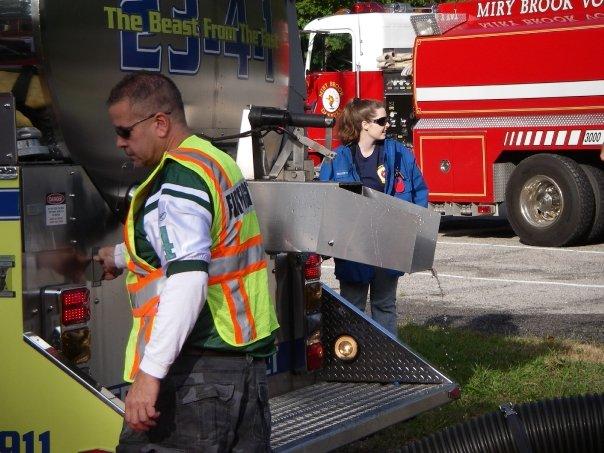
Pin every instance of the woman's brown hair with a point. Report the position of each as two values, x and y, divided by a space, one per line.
356 111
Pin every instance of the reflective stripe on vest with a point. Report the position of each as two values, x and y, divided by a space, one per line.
248 255
145 288
144 284
234 266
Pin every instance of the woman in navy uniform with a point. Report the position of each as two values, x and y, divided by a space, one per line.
367 156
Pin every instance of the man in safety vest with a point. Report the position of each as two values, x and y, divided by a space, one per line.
203 321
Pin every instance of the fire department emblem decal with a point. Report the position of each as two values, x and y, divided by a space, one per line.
330 94
381 172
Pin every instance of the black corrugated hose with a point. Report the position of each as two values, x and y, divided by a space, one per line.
565 425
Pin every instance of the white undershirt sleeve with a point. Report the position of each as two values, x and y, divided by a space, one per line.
180 304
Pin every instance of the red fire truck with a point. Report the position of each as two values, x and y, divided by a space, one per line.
504 104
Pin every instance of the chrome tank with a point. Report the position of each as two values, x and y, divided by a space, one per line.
80 53
60 59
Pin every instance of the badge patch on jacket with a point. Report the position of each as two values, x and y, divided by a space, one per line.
381 172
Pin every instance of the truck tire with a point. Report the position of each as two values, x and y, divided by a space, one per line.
596 179
550 201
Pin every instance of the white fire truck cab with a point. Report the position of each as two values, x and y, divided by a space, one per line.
357 53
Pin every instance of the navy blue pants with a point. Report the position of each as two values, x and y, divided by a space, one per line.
208 404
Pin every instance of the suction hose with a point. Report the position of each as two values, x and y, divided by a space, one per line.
574 424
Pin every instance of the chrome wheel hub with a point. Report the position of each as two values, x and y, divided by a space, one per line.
541 201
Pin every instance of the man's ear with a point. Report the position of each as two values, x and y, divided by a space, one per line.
162 124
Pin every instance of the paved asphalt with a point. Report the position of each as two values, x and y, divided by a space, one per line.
490 281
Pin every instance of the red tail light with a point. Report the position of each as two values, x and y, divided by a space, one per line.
367 7
312 267
485 209
74 306
314 356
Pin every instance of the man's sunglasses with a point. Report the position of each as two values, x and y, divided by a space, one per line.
125 131
380 121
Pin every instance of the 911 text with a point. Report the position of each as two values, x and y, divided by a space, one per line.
13 442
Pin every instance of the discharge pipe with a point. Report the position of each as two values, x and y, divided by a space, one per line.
272 116
566 425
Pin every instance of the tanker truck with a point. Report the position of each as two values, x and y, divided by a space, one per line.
64 188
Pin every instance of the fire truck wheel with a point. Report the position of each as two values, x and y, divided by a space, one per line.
596 179
550 201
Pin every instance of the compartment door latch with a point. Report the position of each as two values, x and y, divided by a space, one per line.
6 262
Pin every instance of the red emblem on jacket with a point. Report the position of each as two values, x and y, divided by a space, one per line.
399 183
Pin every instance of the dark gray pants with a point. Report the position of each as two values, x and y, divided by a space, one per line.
208 404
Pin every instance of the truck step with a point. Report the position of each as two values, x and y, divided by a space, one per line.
327 415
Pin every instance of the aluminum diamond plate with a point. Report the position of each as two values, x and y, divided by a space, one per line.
501 174
511 121
312 415
381 357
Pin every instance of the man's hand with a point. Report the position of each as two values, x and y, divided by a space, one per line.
106 256
140 402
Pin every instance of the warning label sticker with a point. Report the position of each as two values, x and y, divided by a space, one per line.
56 209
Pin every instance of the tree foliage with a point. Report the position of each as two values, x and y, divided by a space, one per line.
312 9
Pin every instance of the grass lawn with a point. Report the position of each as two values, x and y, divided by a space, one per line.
492 369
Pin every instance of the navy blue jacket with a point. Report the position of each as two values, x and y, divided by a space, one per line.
399 162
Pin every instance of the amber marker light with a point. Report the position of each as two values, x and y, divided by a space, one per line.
346 348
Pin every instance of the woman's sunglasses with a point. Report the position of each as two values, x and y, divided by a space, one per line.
380 121
125 131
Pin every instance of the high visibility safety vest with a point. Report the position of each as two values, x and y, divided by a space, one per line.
238 294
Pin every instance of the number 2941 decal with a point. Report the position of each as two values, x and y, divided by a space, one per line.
137 20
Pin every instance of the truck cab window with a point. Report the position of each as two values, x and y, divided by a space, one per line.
331 52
